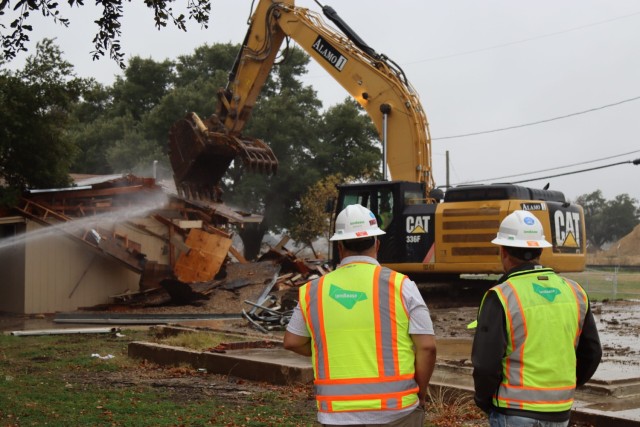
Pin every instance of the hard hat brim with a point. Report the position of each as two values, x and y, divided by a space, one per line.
356 235
521 243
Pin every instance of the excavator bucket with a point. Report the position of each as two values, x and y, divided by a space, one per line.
201 152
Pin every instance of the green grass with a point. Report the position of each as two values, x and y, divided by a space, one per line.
53 380
607 284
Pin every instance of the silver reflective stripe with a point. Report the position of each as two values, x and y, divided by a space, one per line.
324 406
536 396
393 403
518 334
512 394
386 322
370 388
579 293
314 318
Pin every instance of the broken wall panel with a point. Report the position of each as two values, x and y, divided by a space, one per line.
61 275
152 235
206 255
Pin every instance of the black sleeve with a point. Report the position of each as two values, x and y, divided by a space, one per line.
589 350
489 346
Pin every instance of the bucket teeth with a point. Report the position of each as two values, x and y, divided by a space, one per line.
200 156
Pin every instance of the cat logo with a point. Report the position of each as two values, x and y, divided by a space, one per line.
567 228
418 224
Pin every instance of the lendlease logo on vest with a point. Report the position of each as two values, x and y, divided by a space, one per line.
346 298
548 293
328 52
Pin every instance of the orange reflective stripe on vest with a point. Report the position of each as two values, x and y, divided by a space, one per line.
379 351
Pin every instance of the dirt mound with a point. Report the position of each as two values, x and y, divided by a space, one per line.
625 251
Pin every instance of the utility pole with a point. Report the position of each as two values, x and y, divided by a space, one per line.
447 157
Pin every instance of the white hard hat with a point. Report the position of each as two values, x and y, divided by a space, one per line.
356 222
521 229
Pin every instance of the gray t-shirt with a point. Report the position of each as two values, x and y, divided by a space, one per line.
419 324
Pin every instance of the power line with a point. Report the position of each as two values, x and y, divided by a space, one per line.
542 36
540 121
635 162
550 169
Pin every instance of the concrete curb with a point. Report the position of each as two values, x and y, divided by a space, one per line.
253 366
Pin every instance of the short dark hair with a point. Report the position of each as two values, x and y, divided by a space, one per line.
523 254
359 245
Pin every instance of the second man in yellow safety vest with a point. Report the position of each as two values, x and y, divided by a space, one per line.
536 339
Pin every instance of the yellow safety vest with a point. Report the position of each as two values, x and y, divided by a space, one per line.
544 316
363 357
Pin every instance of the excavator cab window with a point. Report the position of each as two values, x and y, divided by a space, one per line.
378 200
360 198
413 197
385 208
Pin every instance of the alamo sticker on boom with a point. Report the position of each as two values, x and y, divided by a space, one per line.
328 52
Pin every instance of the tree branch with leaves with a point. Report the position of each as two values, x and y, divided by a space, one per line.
15 37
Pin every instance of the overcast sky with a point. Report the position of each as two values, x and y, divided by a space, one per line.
477 65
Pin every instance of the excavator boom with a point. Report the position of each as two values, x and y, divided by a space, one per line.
201 151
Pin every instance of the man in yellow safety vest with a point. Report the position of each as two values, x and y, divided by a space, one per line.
536 339
368 332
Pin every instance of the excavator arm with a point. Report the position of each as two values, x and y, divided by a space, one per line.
201 151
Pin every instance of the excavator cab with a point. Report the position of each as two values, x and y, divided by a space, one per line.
393 202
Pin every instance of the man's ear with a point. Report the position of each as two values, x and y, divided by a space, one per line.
377 244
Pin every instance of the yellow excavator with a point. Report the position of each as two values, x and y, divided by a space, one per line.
426 231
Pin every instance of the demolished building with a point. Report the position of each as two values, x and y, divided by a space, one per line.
63 249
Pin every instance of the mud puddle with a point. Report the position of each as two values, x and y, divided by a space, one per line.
619 328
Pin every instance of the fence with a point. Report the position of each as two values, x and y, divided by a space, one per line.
609 282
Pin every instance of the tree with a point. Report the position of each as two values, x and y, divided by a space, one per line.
143 86
125 127
109 26
349 143
109 124
34 110
312 220
608 220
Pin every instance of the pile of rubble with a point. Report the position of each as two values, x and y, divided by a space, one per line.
278 274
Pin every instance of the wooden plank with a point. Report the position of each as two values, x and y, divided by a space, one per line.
206 255
236 253
285 239
183 223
